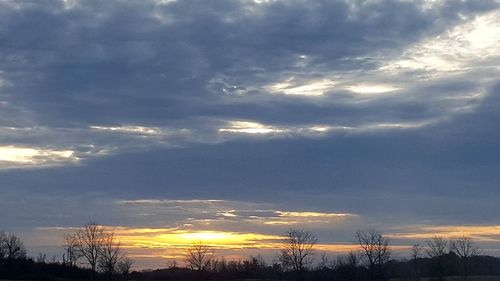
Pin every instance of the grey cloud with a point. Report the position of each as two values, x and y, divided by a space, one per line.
148 86
121 64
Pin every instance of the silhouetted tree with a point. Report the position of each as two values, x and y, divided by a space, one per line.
324 262
199 257
96 246
109 255
71 254
298 248
436 250
376 251
124 265
465 249
3 248
437 247
41 258
347 266
11 246
352 258
90 239
416 253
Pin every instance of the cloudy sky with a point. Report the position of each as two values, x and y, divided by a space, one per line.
230 121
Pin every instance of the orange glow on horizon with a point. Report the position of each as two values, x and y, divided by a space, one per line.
172 243
480 233
157 245
174 238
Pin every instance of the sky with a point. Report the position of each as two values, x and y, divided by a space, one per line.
228 122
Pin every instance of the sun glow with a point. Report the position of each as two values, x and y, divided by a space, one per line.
471 45
16 154
372 89
13 156
250 128
169 238
148 241
307 88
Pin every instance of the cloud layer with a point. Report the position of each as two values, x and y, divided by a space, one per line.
331 115
128 74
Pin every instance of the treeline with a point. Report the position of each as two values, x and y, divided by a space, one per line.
15 264
298 260
92 252
338 270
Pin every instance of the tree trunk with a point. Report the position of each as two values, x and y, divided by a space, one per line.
465 269
94 273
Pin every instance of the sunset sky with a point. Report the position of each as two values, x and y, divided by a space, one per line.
230 121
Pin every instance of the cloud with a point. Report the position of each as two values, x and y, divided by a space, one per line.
169 68
372 112
224 214
372 89
12 156
140 130
249 128
483 233
311 88
470 46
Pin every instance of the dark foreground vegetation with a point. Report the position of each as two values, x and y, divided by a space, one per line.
253 269
92 254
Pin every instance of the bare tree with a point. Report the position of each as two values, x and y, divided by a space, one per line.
324 262
124 266
11 246
416 253
71 254
436 250
90 239
173 264
3 250
199 257
298 248
41 258
375 249
347 266
465 248
109 255
98 249
436 247
352 258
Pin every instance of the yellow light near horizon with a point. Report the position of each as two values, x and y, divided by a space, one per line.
311 214
480 233
208 236
180 239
